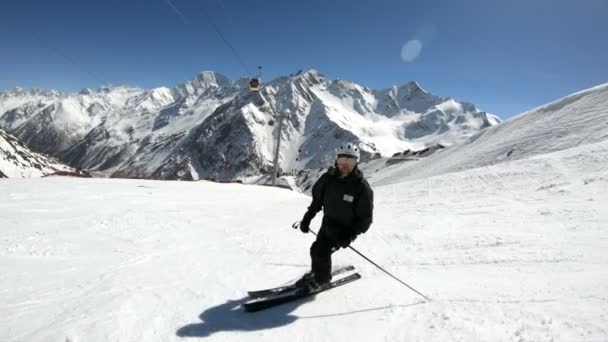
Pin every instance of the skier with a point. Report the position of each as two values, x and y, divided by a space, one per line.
347 202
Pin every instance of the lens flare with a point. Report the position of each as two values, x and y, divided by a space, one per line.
411 50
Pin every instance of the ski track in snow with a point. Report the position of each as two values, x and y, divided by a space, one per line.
509 252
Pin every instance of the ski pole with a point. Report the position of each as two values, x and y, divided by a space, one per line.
297 225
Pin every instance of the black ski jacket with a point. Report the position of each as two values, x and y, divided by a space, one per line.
347 203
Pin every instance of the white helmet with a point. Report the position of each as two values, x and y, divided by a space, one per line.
348 149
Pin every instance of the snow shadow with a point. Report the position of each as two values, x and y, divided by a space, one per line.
229 316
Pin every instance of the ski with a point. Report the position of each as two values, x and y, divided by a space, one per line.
290 287
258 304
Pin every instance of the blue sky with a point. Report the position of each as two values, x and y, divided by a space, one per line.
504 56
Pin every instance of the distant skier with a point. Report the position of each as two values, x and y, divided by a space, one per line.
348 202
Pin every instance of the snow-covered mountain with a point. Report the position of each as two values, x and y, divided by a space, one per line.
18 161
577 119
212 127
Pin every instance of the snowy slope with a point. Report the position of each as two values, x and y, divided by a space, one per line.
513 251
18 161
212 127
577 119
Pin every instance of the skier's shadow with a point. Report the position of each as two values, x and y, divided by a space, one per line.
230 316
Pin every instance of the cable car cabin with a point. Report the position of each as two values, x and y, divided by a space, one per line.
254 84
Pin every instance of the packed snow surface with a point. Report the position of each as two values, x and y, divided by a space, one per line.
514 251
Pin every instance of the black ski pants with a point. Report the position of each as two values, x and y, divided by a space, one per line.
320 254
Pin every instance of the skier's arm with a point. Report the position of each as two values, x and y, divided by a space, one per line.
315 206
317 196
364 210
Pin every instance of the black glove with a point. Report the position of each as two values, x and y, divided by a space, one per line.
305 223
346 240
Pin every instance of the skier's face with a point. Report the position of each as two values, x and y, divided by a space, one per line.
346 165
